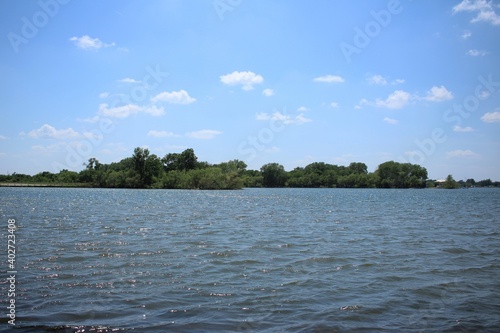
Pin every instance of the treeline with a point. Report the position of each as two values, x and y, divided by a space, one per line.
184 171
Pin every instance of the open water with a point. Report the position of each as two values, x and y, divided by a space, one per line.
254 260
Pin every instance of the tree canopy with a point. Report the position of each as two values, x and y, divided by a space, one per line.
184 171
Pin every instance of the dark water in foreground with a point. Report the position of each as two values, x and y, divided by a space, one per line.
263 260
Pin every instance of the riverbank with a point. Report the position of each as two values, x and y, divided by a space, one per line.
70 185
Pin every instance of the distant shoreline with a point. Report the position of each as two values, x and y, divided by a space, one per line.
84 185
45 185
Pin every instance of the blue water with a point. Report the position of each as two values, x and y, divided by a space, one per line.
254 260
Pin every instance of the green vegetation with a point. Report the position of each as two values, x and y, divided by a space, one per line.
450 183
184 171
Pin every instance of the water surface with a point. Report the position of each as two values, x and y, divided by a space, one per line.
263 260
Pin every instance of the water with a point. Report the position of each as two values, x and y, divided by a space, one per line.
254 260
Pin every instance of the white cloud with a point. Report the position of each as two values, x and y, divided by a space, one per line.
272 149
476 53
466 34
491 117
125 111
174 97
396 100
461 153
3 137
104 95
329 79
268 92
438 94
161 134
263 116
377 79
391 121
286 119
50 132
457 128
484 94
203 134
92 120
398 81
48 150
246 79
87 43
334 105
154 110
129 80
485 10
302 109
93 135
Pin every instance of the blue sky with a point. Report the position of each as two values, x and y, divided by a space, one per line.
284 81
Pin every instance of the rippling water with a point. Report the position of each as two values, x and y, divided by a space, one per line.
263 260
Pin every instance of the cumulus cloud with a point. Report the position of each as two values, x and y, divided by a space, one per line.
246 79
125 111
174 97
334 105
438 94
203 134
484 10
457 128
329 79
377 79
87 43
461 153
391 121
396 100
129 80
477 53
466 34
491 117
50 132
268 92
284 118
161 134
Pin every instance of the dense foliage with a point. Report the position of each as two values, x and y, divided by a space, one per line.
184 171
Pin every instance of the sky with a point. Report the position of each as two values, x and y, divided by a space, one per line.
285 81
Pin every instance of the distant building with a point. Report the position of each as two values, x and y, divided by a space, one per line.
439 182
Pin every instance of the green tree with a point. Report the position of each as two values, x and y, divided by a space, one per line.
147 166
237 166
485 183
273 175
252 178
401 175
357 167
186 160
153 169
450 183
470 182
66 176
